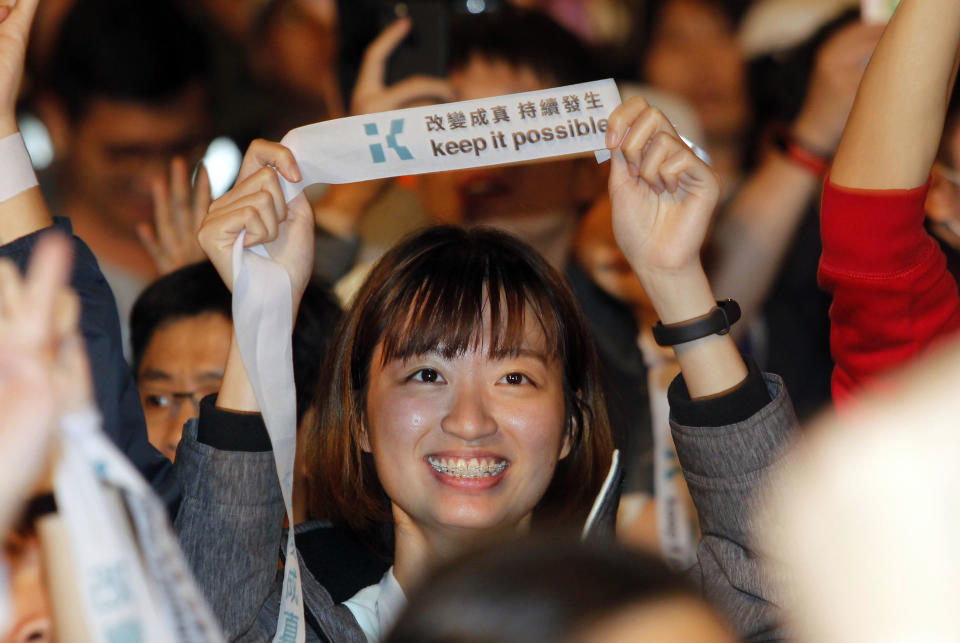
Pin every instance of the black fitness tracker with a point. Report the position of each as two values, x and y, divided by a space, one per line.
716 322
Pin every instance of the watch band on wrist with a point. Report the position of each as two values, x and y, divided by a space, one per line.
799 153
717 322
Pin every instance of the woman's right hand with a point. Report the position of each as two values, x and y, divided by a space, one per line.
15 20
256 204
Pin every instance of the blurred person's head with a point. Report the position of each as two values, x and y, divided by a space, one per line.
127 81
294 47
30 616
558 592
689 47
235 18
460 397
180 330
597 252
506 53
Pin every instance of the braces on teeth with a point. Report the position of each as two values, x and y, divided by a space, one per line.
462 468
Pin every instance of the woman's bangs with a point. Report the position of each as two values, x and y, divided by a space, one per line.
446 313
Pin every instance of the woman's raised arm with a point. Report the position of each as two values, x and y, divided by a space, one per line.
26 212
893 132
256 204
663 198
892 294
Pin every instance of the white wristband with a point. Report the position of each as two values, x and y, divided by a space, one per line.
17 173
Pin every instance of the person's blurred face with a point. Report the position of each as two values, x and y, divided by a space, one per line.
302 47
30 608
669 619
527 200
600 257
115 148
469 441
183 362
694 53
235 17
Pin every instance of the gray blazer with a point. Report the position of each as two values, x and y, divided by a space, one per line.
230 520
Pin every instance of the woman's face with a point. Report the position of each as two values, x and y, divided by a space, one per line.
469 441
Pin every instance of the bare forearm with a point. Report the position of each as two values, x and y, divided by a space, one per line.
760 222
712 364
236 392
23 214
893 133
26 212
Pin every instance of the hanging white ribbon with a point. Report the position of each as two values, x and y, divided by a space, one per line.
134 583
263 318
17 174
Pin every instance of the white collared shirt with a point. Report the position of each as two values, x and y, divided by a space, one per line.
377 607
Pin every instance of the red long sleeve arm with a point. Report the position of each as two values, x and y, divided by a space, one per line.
892 293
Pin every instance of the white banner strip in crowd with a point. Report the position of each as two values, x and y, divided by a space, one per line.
17 174
490 131
263 318
454 136
134 584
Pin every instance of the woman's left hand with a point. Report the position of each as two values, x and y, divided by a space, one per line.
663 196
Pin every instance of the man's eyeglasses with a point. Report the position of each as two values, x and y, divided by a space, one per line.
171 402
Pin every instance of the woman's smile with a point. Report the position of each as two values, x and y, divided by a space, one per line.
468 471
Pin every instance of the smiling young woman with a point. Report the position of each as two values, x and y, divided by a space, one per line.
464 384
460 400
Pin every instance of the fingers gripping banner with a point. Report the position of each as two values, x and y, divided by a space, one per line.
491 131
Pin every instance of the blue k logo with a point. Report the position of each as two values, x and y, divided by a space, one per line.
376 150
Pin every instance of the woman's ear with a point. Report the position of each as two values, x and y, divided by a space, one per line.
364 437
567 445
572 430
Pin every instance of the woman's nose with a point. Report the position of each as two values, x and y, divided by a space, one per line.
468 417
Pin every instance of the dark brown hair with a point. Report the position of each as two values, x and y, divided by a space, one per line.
431 292
539 589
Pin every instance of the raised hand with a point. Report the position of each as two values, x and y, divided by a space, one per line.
342 206
43 366
663 196
371 94
663 199
256 204
172 239
840 64
15 19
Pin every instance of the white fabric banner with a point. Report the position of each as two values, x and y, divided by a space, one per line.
454 136
135 585
263 318
16 169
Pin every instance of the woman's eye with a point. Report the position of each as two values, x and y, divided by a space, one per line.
158 401
427 376
515 379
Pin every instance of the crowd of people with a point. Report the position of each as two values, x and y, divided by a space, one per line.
656 398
